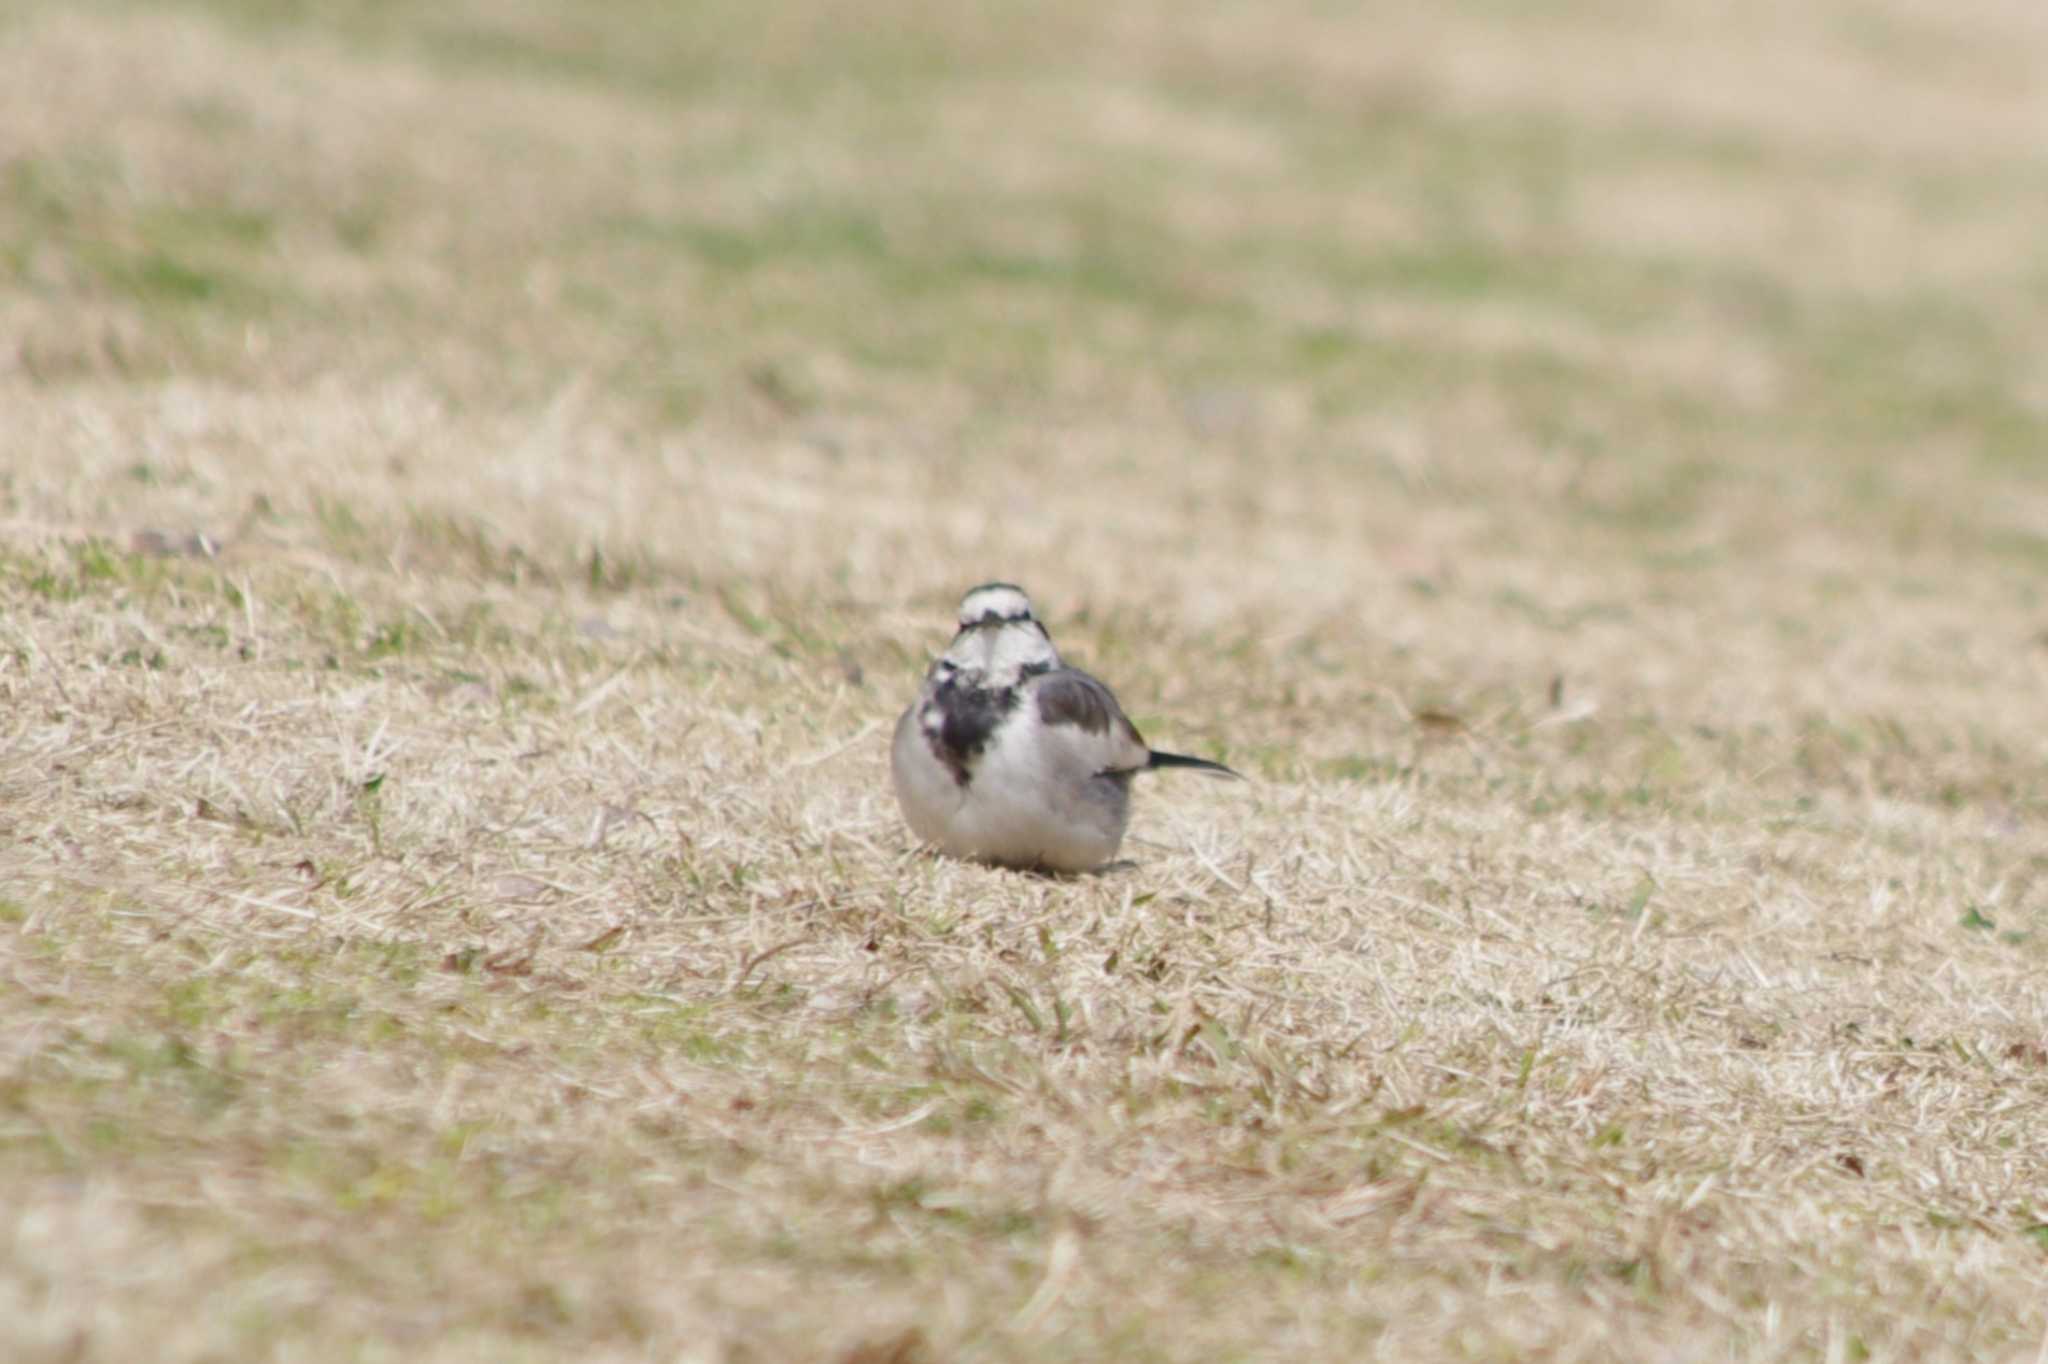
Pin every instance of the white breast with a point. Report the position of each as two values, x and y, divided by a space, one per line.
1027 803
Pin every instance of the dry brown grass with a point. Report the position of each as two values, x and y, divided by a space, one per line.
479 481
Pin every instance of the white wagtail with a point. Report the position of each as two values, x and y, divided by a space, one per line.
1010 756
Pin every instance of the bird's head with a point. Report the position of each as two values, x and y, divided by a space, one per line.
995 604
999 642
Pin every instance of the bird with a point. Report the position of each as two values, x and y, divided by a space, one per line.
1009 756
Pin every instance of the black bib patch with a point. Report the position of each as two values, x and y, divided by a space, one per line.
969 716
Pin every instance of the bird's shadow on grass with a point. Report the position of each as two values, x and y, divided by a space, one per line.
1117 868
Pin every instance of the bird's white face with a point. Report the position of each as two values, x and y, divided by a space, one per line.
1000 642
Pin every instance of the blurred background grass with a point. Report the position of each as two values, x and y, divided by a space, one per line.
1821 221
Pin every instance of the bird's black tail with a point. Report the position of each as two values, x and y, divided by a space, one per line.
1202 765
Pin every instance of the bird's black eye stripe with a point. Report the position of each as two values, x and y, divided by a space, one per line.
989 618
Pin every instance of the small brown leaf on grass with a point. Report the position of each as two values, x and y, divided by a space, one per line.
170 543
747 966
1439 722
907 1346
207 810
1851 1163
513 961
513 886
2028 1053
603 940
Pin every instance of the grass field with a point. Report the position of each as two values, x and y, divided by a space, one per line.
478 481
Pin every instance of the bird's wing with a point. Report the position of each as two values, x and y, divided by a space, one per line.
1081 714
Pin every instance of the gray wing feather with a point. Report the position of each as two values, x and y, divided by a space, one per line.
1069 699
